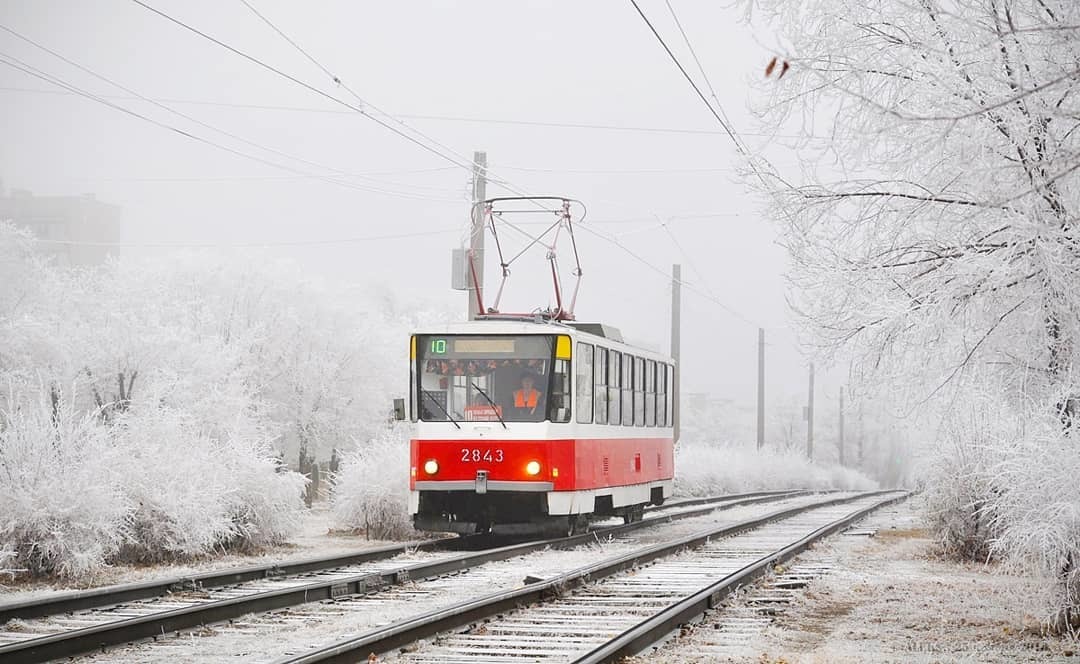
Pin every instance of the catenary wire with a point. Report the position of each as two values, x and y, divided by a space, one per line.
701 69
244 245
689 286
254 178
412 139
452 158
303 84
505 184
19 65
187 117
689 79
447 118
728 129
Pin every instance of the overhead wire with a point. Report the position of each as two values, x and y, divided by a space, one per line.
440 150
19 65
447 118
246 178
717 112
245 245
452 158
303 84
505 184
26 68
683 283
192 119
686 257
719 115
727 129
701 69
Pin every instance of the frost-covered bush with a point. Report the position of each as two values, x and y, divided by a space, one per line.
192 493
77 494
265 499
187 368
7 563
708 470
1003 485
61 509
1035 517
959 481
370 491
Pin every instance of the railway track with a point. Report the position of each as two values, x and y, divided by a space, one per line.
610 609
734 631
72 623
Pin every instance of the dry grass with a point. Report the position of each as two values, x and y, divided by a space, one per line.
902 534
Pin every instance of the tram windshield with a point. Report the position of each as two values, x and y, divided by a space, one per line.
471 378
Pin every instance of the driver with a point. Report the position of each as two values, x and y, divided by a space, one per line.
528 398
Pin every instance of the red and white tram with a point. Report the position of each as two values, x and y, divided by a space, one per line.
526 425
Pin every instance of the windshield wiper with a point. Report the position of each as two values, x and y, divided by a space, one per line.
493 406
441 407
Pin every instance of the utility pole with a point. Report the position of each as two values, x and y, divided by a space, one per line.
760 387
810 417
676 331
840 442
476 234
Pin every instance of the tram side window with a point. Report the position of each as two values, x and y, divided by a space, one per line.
627 390
661 395
671 396
584 359
559 401
639 392
650 393
600 395
614 371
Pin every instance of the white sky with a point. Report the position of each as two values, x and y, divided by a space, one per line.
568 61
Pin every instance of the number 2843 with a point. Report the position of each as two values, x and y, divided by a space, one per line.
476 455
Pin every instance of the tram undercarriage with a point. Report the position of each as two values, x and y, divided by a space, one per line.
518 513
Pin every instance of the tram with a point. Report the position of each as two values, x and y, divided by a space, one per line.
526 426
535 422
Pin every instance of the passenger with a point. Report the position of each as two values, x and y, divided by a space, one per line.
528 398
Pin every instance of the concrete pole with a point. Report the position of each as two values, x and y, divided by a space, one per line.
476 235
676 342
760 387
810 417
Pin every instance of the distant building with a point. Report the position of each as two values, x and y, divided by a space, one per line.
74 229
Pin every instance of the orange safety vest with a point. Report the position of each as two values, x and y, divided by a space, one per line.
521 400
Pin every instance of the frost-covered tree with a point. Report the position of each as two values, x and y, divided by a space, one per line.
949 234
933 231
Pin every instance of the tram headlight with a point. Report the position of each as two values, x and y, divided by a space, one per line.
431 466
532 468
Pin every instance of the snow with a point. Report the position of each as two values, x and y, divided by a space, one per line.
149 410
315 536
886 598
703 469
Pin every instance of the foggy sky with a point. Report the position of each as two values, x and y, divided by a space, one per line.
570 62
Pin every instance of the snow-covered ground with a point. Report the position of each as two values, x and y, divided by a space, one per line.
314 538
887 598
